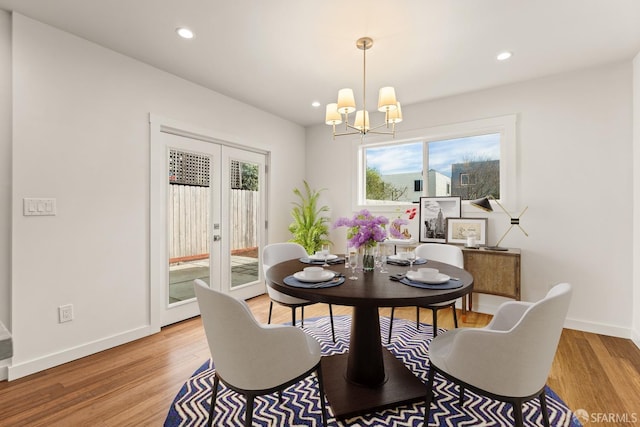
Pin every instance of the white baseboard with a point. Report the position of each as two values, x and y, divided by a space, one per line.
580 325
598 328
28 367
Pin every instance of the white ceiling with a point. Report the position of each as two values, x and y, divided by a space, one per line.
280 55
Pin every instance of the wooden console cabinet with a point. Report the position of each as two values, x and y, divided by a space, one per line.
494 272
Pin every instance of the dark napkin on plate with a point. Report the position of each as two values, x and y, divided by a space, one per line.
403 262
308 260
292 281
451 284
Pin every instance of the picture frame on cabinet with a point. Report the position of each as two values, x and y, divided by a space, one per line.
434 212
471 232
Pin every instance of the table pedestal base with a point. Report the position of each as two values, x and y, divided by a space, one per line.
348 400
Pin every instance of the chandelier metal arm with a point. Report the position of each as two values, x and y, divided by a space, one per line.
378 132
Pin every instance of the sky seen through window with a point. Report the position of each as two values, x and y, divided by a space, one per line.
407 158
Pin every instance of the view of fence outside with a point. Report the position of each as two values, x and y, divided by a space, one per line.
189 229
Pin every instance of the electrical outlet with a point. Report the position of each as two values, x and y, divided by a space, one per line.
65 313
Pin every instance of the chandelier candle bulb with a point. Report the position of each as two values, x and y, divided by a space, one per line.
387 99
333 117
346 101
395 116
362 120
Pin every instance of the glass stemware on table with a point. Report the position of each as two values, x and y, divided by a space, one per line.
382 254
324 252
352 257
411 256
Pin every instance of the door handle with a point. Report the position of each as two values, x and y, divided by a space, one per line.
216 238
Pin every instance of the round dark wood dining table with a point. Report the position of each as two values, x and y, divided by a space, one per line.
368 377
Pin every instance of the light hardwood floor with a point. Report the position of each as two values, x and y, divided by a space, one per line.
134 384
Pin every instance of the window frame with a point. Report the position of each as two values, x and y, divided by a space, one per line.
504 125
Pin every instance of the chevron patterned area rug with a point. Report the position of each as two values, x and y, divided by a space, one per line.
301 404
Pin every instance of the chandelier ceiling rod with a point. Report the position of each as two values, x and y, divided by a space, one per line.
365 43
338 112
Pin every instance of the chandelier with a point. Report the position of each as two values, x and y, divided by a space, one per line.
339 112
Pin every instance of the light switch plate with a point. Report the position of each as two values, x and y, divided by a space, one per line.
38 206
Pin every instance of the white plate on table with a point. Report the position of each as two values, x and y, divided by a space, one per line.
321 258
326 275
438 279
398 258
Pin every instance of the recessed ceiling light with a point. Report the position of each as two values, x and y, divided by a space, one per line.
503 56
185 33
315 104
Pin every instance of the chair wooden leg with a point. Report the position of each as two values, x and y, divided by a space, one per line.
434 313
429 398
248 413
543 409
293 316
214 396
270 310
517 413
302 316
323 405
417 318
460 395
333 332
280 396
393 309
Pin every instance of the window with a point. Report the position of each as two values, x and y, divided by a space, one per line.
470 160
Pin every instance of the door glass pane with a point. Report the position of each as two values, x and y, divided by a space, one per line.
189 207
244 208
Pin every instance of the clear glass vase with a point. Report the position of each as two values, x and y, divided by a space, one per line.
368 259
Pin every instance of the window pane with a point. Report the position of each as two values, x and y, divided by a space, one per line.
468 167
393 173
244 209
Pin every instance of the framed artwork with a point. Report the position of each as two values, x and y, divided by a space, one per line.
434 212
459 229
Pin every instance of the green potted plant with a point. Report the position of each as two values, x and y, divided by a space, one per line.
309 227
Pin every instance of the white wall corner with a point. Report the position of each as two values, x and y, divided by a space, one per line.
635 321
4 369
635 337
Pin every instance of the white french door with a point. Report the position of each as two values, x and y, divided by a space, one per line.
207 220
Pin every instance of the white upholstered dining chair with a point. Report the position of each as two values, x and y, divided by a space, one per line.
508 360
448 254
278 252
254 359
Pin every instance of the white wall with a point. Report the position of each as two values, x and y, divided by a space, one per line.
574 173
81 135
5 167
636 200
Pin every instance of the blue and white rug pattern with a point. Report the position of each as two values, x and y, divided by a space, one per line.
301 404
